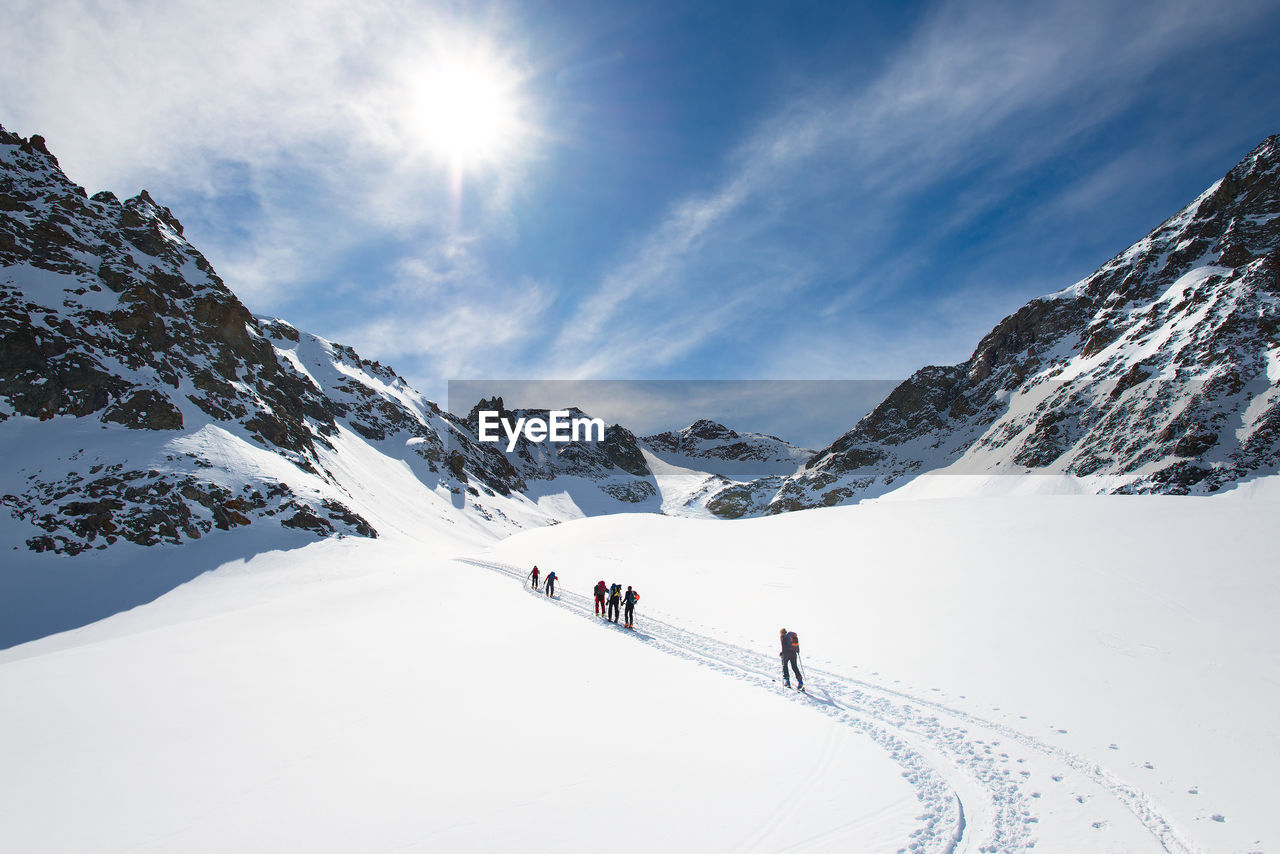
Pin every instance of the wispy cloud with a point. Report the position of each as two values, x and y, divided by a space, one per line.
443 315
979 94
289 132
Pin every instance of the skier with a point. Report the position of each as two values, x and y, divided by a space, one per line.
551 584
535 577
790 652
615 595
630 601
602 590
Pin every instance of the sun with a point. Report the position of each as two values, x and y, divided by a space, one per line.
469 108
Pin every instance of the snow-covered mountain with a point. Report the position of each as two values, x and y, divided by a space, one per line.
167 411
1158 373
141 401
740 467
718 449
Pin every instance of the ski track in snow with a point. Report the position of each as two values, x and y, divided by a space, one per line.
974 794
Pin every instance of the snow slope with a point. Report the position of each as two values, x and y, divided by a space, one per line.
353 696
1073 673
1118 657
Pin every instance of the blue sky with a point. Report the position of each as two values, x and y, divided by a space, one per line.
695 191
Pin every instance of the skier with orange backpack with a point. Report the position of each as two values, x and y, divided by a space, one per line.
790 653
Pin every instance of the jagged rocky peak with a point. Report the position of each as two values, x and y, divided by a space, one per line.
134 326
108 313
697 434
1155 374
711 440
705 428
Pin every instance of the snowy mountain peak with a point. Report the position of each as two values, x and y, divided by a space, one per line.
1158 373
168 413
709 440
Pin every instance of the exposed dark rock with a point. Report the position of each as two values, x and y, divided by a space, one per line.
145 410
306 519
631 491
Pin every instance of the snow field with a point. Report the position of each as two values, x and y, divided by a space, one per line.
354 696
1107 663
1001 673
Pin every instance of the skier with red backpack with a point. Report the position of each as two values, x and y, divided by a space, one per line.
790 653
534 576
602 590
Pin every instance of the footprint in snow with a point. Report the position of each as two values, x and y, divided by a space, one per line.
1218 817
1057 778
1148 766
1194 790
1113 746
1083 799
1099 825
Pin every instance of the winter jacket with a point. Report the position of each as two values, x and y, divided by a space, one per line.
790 644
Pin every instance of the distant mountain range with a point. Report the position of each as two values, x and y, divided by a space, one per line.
142 402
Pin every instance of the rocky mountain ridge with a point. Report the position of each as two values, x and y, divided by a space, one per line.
141 402
1158 373
708 443
170 411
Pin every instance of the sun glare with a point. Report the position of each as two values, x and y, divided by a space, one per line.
470 109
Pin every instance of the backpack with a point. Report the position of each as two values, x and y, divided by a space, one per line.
795 640
615 591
